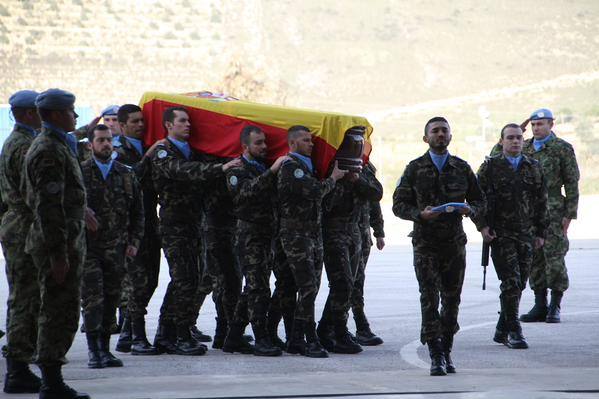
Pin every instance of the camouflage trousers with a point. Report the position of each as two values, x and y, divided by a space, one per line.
101 286
284 295
357 296
440 271
304 255
342 255
183 256
23 303
142 274
548 263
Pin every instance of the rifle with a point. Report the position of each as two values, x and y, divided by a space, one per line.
490 216
485 262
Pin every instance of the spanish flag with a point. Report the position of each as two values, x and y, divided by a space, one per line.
217 121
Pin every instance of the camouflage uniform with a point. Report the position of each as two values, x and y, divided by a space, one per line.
439 244
56 196
117 203
517 213
21 273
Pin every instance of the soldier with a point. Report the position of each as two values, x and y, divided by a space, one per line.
371 216
55 193
176 172
342 254
515 221
110 117
560 169
21 274
438 237
114 195
300 196
253 190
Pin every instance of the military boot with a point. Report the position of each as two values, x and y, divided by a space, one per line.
139 342
364 335
53 386
220 333
553 314
123 345
19 378
235 342
199 335
108 359
447 346
272 326
500 330
313 347
539 310
165 338
344 342
515 339
93 350
326 335
186 345
296 344
264 346
438 365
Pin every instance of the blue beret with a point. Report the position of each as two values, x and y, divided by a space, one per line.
23 99
542 113
110 110
55 99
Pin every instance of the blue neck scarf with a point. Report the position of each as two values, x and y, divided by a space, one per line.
514 161
439 160
69 138
306 160
27 127
136 143
104 167
116 141
183 146
259 165
538 144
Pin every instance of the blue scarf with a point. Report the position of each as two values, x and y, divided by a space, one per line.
259 165
183 146
69 138
136 143
306 160
538 144
116 141
514 161
27 127
104 167
439 160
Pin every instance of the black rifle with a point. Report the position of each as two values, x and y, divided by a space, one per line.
490 217
485 262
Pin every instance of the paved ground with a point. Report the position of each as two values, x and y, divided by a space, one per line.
563 361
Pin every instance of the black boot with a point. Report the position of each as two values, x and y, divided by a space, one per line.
326 335
539 310
500 330
264 346
19 378
108 359
165 338
198 335
139 342
296 343
53 386
435 349
515 339
124 343
272 326
553 314
344 342
93 348
235 342
313 347
447 346
364 335
220 333
186 345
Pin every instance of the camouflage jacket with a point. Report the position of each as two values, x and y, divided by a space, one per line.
179 183
117 203
516 199
300 196
17 218
217 200
55 193
253 194
422 185
371 213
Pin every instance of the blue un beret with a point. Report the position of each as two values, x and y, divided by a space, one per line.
110 110
542 113
23 99
55 99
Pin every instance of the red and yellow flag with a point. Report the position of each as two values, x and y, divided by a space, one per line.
217 121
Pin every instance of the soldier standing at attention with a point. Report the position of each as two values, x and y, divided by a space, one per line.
55 193
21 274
438 237
176 172
300 209
560 169
516 220
113 193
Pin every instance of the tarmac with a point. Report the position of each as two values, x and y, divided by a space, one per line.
562 361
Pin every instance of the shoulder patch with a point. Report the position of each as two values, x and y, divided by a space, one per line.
233 180
161 154
298 173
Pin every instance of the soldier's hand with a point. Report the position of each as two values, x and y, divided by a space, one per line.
488 234
131 251
90 220
150 152
524 124
232 164
279 162
337 173
539 242
94 122
429 214
60 268
380 243
566 225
